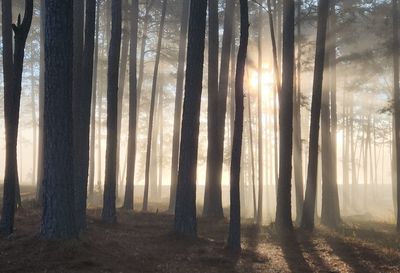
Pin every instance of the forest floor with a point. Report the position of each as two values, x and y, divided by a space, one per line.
142 242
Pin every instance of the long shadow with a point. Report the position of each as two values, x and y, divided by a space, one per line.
309 247
293 253
350 255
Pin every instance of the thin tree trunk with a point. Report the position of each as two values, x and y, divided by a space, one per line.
234 224
307 220
152 107
252 158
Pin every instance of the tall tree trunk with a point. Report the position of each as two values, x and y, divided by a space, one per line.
234 224
82 115
283 209
185 210
109 211
396 97
307 220
93 107
34 118
178 102
12 70
212 194
252 158
152 107
133 97
260 124
161 139
58 220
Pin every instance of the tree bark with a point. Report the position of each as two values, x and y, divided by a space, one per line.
58 220
307 220
109 210
185 210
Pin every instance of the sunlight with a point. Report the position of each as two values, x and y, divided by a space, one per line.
267 79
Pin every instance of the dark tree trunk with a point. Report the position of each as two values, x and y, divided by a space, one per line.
185 210
58 220
178 102
82 118
39 179
109 211
93 109
212 195
130 168
396 97
152 107
307 220
12 69
234 224
283 209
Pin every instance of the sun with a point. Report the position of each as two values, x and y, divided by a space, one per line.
267 79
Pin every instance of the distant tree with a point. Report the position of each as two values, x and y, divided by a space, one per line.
178 102
234 224
283 209
58 220
307 219
12 69
133 96
82 117
109 210
152 107
185 210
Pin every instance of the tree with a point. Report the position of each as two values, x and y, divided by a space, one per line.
109 210
178 102
130 169
283 210
234 225
185 222
396 97
152 107
12 67
212 195
82 109
307 219
58 192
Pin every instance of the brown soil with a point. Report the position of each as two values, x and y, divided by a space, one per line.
142 243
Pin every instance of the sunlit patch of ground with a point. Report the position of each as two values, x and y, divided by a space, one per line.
142 242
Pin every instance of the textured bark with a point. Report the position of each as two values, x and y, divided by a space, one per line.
185 222
12 69
130 168
283 209
234 224
307 220
178 102
212 194
109 210
152 107
58 192
82 118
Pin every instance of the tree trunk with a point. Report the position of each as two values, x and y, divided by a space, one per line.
252 158
307 220
212 194
58 220
133 96
82 115
152 107
234 224
185 210
109 211
178 102
283 209
93 109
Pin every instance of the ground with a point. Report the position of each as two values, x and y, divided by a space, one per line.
142 242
